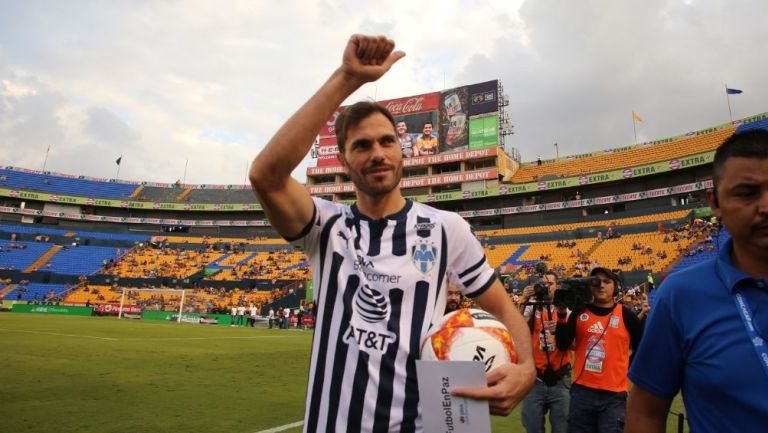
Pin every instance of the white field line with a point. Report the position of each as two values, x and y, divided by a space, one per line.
283 427
254 337
59 334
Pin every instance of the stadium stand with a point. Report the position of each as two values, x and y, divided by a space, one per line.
640 252
236 265
281 265
225 241
532 171
158 194
80 260
36 292
93 295
43 230
650 218
694 255
760 124
528 253
21 255
64 185
220 196
203 300
144 262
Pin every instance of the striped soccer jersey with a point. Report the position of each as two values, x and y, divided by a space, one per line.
378 287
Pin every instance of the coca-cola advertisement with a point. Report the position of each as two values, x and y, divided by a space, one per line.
454 119
412 104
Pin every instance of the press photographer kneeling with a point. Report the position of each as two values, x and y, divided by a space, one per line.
602 332
550 393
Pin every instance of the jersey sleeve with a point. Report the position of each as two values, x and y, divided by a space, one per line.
466 258
658 364
309 237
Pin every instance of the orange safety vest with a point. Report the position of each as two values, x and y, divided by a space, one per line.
557 358
602 351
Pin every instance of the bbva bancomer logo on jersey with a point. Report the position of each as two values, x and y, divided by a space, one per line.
371 274
368 325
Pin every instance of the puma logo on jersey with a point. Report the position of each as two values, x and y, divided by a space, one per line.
343 236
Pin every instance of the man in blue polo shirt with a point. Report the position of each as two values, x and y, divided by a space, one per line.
706 332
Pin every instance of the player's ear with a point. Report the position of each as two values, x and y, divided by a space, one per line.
714 202
343 162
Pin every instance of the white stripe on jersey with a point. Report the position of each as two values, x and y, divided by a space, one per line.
379 285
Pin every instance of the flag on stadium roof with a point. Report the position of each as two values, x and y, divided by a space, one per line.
637 117
730 91
120 158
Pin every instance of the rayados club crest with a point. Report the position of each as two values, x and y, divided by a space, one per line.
423 255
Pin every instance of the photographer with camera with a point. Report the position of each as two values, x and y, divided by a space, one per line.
553 366
602 333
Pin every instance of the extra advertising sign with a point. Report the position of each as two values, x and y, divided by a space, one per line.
454 119
484 98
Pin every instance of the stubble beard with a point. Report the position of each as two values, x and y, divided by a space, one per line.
377 189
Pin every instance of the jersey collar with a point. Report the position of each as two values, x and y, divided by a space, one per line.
731 276
399 215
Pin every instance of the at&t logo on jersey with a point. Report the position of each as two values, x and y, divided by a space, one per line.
370 332
424 255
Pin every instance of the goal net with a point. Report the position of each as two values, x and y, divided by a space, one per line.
135 302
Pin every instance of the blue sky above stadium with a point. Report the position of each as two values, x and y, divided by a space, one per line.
163 82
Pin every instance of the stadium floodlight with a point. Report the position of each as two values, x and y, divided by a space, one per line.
154 299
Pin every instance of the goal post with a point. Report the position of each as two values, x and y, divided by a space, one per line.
170 300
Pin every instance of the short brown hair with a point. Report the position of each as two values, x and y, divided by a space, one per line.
355 114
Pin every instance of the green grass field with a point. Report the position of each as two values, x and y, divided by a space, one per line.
93 374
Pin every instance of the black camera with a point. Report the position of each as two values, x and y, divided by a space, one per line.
540 292
575 293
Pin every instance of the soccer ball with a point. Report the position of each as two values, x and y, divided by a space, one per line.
470 335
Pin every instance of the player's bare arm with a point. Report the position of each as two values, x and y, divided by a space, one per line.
509 383
286 202
646 413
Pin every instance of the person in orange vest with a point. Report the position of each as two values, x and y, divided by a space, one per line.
550 392
602 334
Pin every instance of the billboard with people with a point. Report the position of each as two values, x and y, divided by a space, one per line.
431 123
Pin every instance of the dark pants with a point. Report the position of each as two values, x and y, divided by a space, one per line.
542 399
596 411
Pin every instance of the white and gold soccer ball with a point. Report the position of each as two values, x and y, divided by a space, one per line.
470 334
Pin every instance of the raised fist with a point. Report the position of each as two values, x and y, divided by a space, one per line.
367 58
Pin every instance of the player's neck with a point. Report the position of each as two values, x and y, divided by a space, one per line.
378 207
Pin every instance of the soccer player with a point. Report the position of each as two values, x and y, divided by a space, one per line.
380 264
707 329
